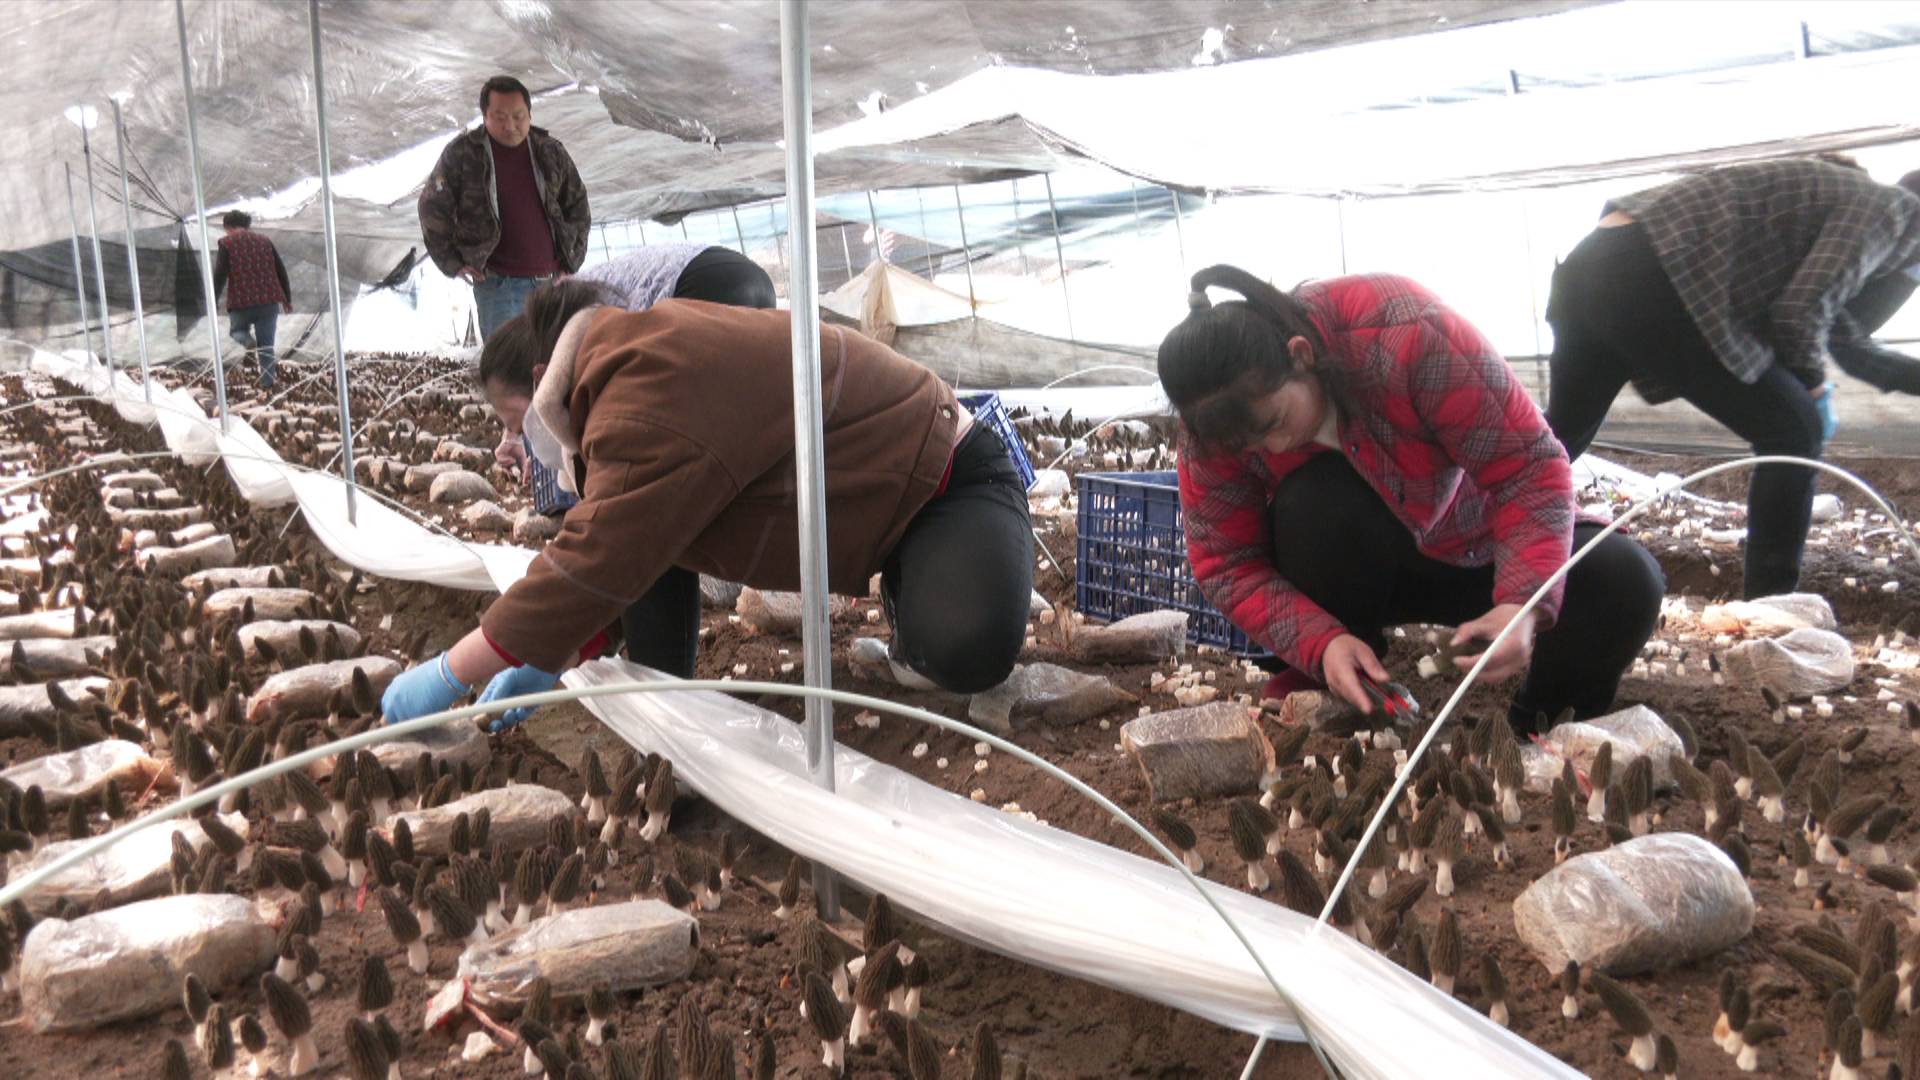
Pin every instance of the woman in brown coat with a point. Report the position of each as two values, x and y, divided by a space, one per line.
675 427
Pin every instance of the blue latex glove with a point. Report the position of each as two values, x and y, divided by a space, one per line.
525 679
420 690
1829 423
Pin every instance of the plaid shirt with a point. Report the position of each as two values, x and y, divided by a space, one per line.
1766 255
1435 421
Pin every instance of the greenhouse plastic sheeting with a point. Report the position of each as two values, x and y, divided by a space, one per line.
1061 901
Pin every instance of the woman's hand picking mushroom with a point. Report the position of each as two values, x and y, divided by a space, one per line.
513 682
1513 655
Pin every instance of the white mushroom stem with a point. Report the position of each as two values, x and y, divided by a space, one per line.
304 1058
1842 1071
834 1055
1721 1029
530 1064
709 900
1749 1059
1570 1007
912 1010
256 1066
1878 856
1501 854
315 983
596 810
1510 806
287 969
1377 885
1295 818
1773 808
1257 877
393 1070
1868 1048
1639 824
1597 805
1416 861
496 920
336 865
1801 877
1443 877
1191 857
1497 1012
356 873
1743 787
655 826
1641 1054
1562 847
609 831
862 1022
1824 852
1443 983
782 912
417 956
523 915
1320 861
1733 1043
840 981
596 1031
1844 866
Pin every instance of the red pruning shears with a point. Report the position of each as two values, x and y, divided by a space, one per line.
1392 699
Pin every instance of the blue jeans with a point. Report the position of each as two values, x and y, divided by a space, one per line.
498 299
252 327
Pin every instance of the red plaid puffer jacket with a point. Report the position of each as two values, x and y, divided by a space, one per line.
1439 427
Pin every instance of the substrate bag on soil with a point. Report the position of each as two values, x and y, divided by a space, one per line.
1653 902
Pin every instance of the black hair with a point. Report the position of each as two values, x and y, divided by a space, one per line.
504 84
1911 182
521 343
236 219
1224 356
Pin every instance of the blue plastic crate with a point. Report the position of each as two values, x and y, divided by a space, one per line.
986 407
1133 557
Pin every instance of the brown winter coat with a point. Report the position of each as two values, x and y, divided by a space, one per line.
684 418
460 210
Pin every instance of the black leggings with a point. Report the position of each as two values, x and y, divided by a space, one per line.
1616 317
1335 540
662 628
956 587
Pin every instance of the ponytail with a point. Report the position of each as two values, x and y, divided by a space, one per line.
1220 358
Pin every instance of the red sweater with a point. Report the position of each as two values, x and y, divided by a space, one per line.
1439 427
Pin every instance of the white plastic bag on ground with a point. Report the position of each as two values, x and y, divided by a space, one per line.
1634 732
128 962
1796 665
1769 616
622 946
1653 902
134 869
520 814
83 773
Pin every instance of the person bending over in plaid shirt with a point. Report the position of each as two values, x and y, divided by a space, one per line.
1732 289
1355 456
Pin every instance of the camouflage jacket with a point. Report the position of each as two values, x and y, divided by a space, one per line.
460 209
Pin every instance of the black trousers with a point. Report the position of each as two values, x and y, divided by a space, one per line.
956 587
1616 317
1335 540
662 628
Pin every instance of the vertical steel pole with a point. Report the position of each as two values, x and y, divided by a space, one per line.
739 233
684 234
796 85
966 250
1019 228
200 211
643 233
1059 254
133 259
873 222
333 260
1179 229
93 228
79 268
926 240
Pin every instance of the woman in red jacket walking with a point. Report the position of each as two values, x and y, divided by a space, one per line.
1358 456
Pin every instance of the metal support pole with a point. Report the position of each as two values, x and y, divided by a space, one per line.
846 252
1019 228
1059 254
966 250
1340 227
925 239
93 228
200 211
873 222
739 233
1179 229
796 85
133 259
79 269
333 259
684 234
643 233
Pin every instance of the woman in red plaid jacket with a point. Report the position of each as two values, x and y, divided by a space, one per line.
1357 456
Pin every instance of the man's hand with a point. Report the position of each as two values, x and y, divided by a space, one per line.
472 275
1514 654
1346 659
286 307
